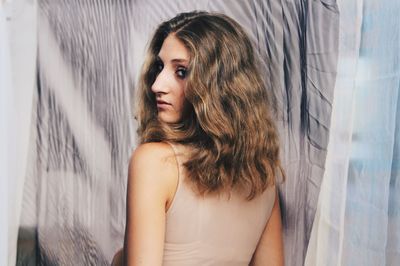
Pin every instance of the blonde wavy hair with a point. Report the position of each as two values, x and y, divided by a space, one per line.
229 129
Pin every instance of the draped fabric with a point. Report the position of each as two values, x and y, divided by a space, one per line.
17 74
81 136
358 218
5 82
304 81
82 129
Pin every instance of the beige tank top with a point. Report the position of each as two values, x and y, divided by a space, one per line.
213 230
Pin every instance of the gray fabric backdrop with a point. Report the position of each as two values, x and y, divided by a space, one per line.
89 55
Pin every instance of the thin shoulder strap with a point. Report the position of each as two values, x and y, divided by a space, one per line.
177 159
178 184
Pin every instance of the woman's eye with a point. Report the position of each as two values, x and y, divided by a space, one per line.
181 73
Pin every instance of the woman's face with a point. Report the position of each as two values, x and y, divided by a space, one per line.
170 83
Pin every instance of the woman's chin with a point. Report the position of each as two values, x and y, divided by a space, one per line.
168 119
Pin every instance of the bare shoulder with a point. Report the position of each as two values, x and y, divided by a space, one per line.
152 179
153 167
155 154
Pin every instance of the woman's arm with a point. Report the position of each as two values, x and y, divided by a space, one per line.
152 180
269 250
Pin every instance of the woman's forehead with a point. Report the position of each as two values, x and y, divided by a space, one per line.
173 50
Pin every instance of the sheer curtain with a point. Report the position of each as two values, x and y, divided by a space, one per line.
17 76
358 217
78 95
4 94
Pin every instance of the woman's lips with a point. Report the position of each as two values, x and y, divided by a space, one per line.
162 104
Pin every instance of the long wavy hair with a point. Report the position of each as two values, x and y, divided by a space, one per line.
232 138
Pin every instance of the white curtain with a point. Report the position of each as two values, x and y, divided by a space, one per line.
358 213
17 76
4 83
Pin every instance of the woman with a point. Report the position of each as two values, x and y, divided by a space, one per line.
201 186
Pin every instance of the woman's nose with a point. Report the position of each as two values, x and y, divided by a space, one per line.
160 85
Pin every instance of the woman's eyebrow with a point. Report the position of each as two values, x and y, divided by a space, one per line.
175 60
179 60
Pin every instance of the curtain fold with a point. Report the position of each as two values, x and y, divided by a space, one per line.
357 221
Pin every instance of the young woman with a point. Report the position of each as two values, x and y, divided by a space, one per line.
201 185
